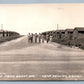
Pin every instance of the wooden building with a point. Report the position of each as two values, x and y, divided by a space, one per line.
62 32
58 34
69 33
4 33
78 32
1 33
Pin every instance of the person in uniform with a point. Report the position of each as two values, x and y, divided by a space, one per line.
39 38
51 38
28 37
47 38
32 38
35 37
42 38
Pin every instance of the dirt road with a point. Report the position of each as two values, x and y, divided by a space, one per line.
20 60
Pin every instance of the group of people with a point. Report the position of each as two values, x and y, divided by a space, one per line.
38 38
35 38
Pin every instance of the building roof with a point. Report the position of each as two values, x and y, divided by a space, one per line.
49 31
79 28
1 31
62 31
57 30
69 30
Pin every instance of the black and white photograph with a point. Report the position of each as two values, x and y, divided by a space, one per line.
42 42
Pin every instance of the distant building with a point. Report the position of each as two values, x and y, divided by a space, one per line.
62 32
8 33
78 32
52 33
58 34
69 33
1 33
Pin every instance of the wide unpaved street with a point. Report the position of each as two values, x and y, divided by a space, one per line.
20 60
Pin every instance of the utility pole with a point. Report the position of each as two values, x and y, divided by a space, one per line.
57 27
1 26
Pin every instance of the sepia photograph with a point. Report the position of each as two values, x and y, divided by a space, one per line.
42 42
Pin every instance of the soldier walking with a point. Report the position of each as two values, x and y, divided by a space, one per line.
42 38
50 38
47 38
39 38
28 37
31 38
35 37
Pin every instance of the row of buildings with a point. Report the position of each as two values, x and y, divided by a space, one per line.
68 36
77 32
4 33
8 35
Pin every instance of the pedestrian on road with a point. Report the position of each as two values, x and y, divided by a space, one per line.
39 38
28 37
35 37
50 38
47 38
32 38
42 38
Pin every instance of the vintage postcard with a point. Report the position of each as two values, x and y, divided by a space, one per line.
42 41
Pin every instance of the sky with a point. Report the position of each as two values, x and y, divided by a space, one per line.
37 18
